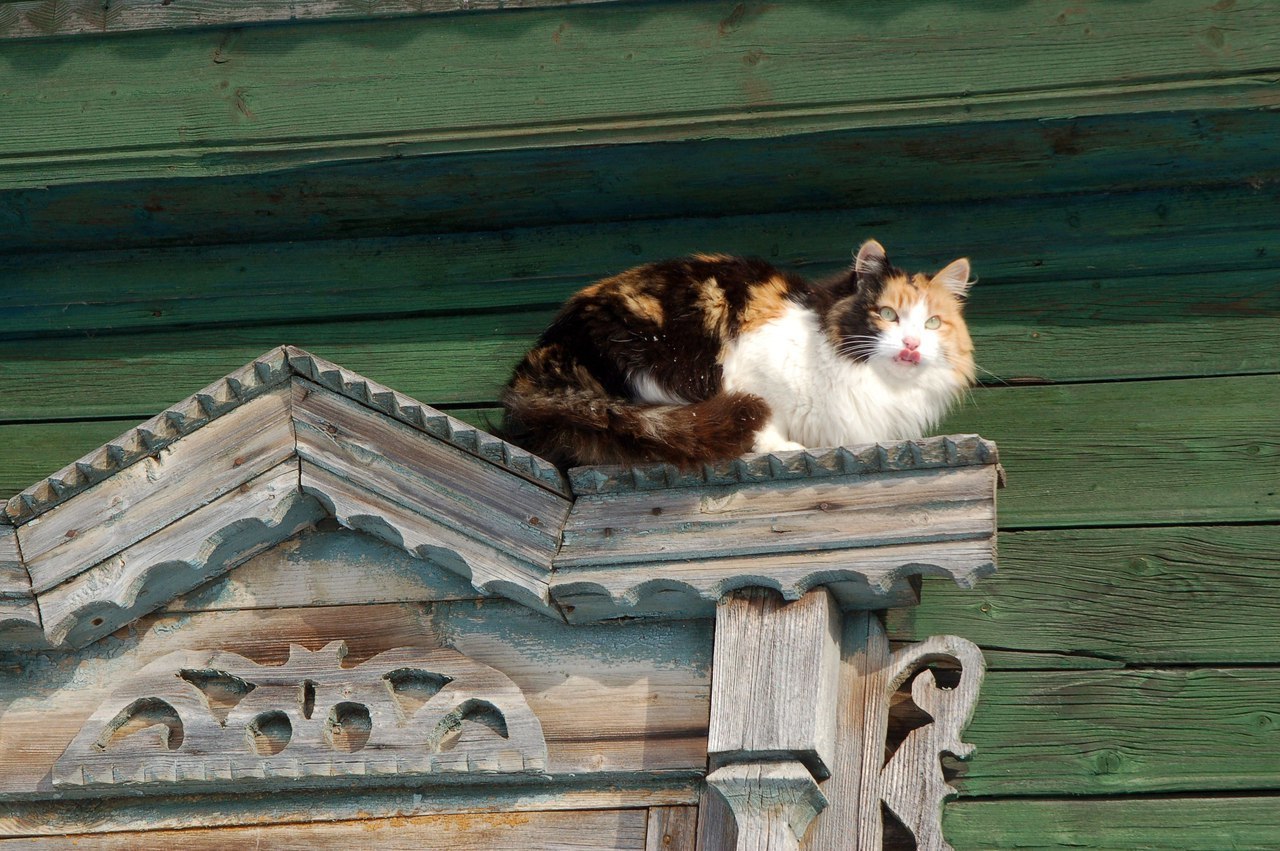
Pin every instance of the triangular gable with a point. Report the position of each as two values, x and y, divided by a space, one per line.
291 438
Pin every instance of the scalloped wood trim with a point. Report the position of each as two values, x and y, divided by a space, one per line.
185 555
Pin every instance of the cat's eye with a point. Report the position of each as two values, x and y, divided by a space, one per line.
888 314
933 323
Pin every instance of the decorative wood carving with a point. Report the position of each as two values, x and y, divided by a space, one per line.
172 504
646 551
772 803
911 784
957 450
215 716
202 545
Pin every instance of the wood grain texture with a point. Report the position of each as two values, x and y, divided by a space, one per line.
20 19
613 701
1118 247
772 803
218 720
671 829
590 830
178 557
911 783
781 517
1123 453
1183 730
1173 823
521 188
520 79
149 495
775 679
327 566
490 569
1169 595
471 495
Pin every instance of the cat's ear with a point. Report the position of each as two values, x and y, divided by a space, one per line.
955 278
870 262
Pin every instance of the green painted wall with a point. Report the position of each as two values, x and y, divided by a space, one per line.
411 197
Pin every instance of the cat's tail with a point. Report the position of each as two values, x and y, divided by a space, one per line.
576 427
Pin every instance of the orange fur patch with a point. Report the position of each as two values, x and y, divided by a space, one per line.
768 301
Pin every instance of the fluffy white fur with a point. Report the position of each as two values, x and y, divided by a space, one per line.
820 398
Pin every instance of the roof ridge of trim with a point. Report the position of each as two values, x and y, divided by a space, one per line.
250 381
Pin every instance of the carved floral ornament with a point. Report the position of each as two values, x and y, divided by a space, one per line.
193 716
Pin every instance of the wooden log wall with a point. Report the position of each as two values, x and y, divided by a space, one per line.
411 194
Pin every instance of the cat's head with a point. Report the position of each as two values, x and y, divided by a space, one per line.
908 325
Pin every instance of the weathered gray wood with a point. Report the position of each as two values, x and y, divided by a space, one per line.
775 679
193 719
587 830
361 803
327 566
158 490
861 726
772 803
643 547
43 19
14 578
469 494
866 578
671 829
929 453
225 394
911 783
428 420
491 570
625 703
180 556
716 828
829 513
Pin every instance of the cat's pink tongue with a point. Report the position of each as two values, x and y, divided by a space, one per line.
911 356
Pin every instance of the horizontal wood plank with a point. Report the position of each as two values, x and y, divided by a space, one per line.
610 698
525 188
1209 823
1190 595
1103 239
590 830
781 517
1136 731
1143 452
212 102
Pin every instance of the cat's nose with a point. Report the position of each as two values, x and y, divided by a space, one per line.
911 343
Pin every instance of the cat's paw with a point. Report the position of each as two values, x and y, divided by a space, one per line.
776 445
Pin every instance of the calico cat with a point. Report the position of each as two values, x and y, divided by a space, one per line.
708 357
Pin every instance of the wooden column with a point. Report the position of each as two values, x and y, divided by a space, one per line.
773 703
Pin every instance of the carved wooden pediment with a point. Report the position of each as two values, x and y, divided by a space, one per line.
210 716
291 439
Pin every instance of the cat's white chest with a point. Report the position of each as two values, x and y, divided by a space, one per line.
821 399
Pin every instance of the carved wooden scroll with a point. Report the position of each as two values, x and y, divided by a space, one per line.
193 716
911 784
